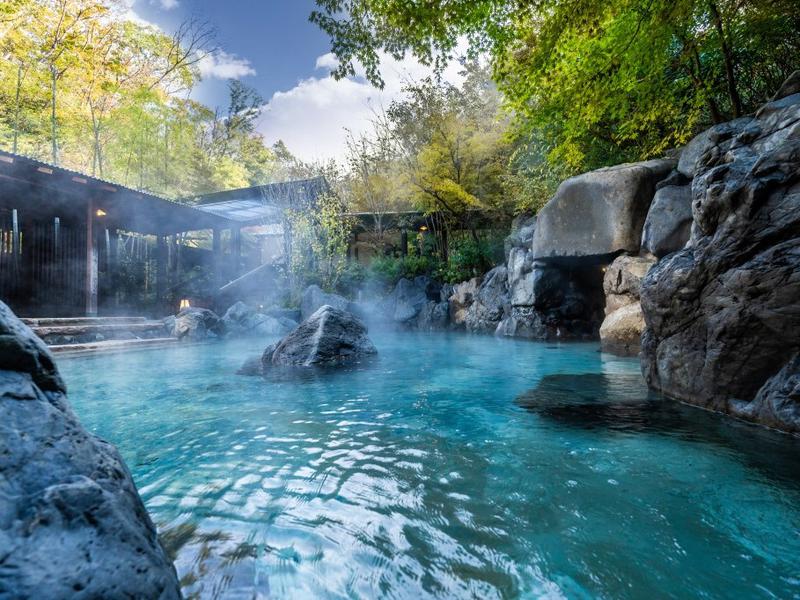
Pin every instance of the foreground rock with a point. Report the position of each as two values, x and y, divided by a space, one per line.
598 214
723 314
195 324
72 524
330 337
242 320
314 298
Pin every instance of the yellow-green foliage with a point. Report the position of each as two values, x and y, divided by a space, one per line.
121 111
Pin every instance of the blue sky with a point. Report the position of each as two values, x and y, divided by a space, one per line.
270 45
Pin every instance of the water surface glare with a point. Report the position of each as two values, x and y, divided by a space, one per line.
453 467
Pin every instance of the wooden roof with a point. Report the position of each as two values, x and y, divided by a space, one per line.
43 190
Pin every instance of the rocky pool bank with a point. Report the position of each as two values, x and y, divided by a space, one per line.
72 524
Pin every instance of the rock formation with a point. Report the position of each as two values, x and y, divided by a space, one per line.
195 324
72 524
622 328
461 299
242 320
669 221
414 304
329 337
597 215
314 298
723 314
489 303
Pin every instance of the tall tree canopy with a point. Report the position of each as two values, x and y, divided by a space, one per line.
591 83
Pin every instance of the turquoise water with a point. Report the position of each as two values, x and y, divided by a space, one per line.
437 473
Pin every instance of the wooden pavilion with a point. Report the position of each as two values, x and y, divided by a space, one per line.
60 240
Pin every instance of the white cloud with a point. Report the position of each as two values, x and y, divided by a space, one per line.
312 117
168 4
221 65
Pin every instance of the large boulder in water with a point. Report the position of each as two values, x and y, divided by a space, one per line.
72 524
599 214
329 337
314 298
723 314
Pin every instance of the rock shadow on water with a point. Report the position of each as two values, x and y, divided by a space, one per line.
621 403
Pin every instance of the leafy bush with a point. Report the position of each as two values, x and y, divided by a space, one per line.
388 270
468 258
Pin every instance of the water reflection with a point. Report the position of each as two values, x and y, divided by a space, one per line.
420 477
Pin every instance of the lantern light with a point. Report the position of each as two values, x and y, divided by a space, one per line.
100 212
185 304
424 228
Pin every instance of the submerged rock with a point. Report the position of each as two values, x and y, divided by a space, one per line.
314 298
329 337
723 315
72 524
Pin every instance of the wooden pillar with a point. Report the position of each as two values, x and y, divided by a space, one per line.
91 262
216 247
236 251
404 242
113 265
161 271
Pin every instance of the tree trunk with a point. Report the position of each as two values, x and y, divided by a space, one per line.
53 117
733 93
16 109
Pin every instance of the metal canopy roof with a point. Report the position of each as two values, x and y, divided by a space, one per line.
244 211
44 190
263 204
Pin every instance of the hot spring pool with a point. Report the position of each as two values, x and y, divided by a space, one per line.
433 474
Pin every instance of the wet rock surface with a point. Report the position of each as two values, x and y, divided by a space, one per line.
723 315
330 337
72 524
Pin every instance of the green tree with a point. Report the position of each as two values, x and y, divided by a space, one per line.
593 82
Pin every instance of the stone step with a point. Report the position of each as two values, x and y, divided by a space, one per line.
94 328
111 346
74 321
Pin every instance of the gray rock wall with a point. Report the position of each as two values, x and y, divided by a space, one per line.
723 314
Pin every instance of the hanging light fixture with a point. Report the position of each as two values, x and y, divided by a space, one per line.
185 304
100 212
